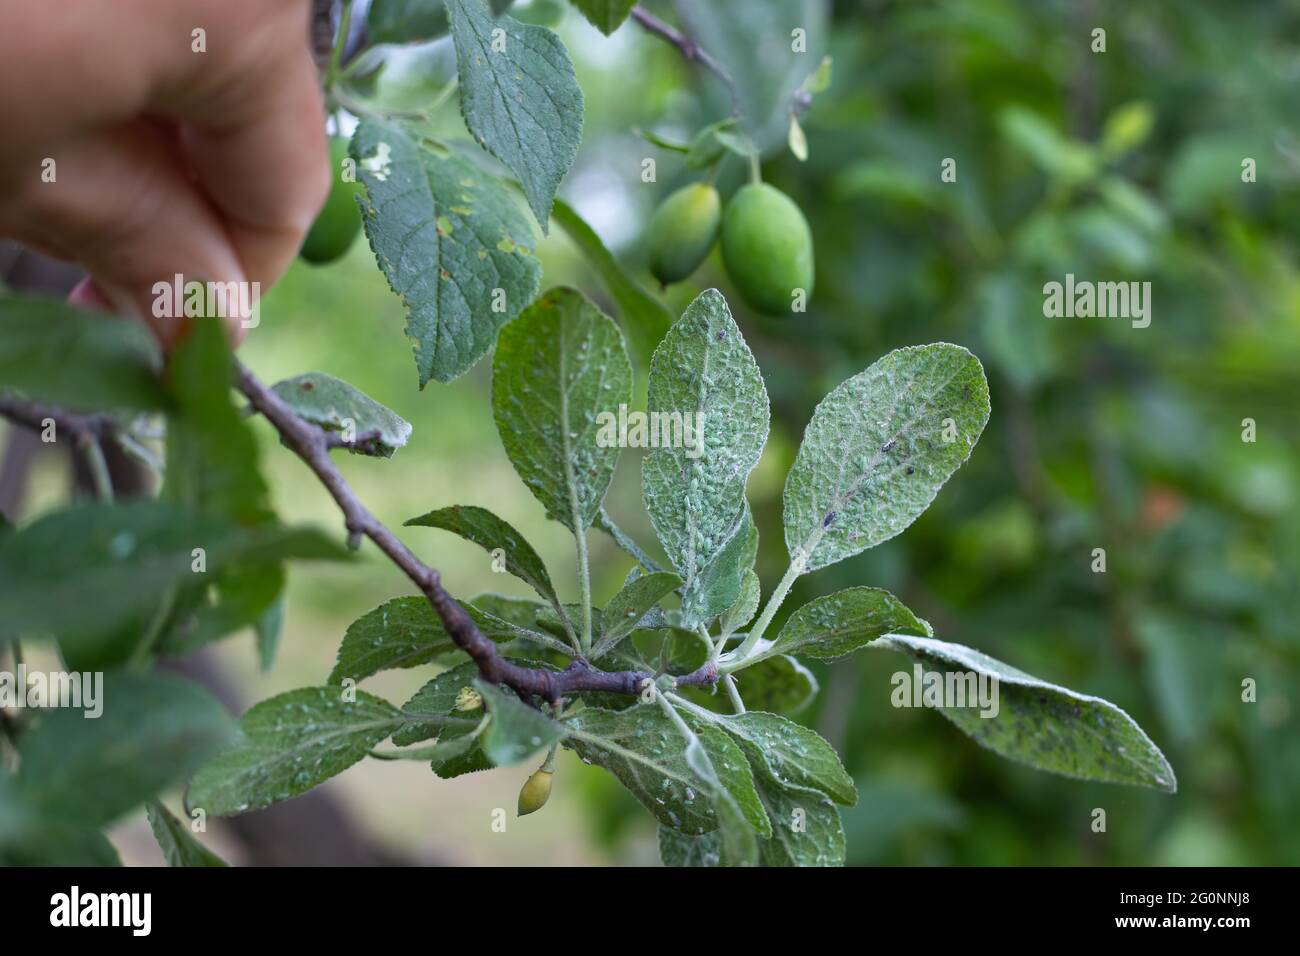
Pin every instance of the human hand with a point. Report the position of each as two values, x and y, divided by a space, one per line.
130 152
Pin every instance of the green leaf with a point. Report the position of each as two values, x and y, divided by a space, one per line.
626 608
730 785
643 749
819 80
213 465
30 838
705 147
551 622
704 374
460 751
718 584
57 843
517 611
178 844
806 828
558 370
445 752
406 21
508 620
1057 155
665 649
1127 127
645 318
153 730
402 633
877 451
451 241
438 699
679 849
519 97
490 533
54 352
746 606
790 754
835 625
242 595
779 684
605 15
290 744
663 142
331 403
268 628
1043 725
212 453
798 140
91 575
517 730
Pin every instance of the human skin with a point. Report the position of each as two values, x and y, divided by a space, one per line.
207 164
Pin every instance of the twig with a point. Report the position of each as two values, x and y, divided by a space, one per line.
311 445
35 415
86 430
690 49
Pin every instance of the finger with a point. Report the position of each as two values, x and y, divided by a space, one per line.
256 140
125 209
87 295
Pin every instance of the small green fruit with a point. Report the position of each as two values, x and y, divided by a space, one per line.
767 248
339 220
535 792
682 232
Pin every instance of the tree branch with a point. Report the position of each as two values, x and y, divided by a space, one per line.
84 428
690 49
312 445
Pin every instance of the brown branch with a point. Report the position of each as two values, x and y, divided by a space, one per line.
689 47
312 445
84 428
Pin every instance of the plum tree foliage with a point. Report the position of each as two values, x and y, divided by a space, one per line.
674 684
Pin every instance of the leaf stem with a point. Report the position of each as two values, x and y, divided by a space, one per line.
140 656
733 693
98 466
584 580
755 170
336 54
361 110
670 711
737 657
549 763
